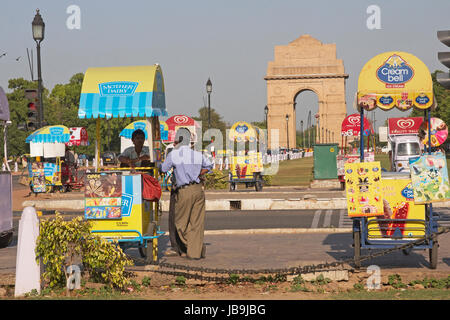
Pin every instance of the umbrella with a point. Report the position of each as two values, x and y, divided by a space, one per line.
50 134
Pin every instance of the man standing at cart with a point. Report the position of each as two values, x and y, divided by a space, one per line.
189 168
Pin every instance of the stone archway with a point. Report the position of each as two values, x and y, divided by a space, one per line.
305 64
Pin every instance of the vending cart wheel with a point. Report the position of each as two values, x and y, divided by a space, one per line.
147 248
232 186
357 248
433 252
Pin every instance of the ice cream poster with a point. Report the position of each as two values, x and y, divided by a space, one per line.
429 178
103 196
363 187
401 218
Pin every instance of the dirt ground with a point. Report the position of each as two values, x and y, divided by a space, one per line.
164 287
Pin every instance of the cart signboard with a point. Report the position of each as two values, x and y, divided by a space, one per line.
351 126
404 126
103 196
243 167
363 187
398 205
429 177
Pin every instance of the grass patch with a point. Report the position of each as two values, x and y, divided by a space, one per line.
298 172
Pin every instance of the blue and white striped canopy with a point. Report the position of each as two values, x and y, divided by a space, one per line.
122 92
50 134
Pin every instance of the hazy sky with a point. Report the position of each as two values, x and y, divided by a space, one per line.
229 41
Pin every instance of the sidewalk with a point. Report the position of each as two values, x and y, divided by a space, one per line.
270 198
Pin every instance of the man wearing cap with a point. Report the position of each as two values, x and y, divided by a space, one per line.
189 167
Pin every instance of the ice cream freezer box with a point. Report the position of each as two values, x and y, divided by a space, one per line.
117 211
402 218
400 222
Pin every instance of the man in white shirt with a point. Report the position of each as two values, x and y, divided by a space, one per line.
138 155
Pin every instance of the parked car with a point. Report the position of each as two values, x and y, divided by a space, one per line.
110 157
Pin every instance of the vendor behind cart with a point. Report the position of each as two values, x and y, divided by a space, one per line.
137 155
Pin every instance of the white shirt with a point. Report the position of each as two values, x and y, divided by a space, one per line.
131 153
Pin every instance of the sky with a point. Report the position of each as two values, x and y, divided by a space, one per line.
230 42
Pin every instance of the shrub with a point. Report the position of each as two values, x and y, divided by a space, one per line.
61 242
216 180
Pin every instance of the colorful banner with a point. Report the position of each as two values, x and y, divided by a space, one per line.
439 132
103 196
398 126
398 203
429 177
395 79
363 188
351 126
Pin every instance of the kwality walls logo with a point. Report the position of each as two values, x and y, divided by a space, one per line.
395 72
117 88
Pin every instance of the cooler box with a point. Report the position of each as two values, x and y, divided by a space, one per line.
325 165
398 203
113 202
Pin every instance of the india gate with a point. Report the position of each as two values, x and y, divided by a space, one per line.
305 64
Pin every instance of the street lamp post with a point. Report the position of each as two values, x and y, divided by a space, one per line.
38 28
287 133
303 135
266 112
209 90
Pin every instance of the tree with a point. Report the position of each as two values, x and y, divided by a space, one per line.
216 122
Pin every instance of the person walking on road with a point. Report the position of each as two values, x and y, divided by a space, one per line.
189 169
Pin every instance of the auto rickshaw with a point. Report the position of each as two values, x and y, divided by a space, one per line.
114 198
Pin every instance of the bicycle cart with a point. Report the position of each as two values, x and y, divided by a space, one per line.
115 200
246 166
385 206
50 166
47 147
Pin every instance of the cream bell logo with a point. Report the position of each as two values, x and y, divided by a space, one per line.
395 72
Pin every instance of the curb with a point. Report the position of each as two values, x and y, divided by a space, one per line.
214 205
224 204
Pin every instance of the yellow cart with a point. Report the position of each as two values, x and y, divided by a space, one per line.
114 199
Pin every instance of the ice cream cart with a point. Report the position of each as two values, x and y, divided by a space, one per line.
246 165
47 147
384 207
114 199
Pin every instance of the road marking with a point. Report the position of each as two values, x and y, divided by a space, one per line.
327 221
344 220
315 222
